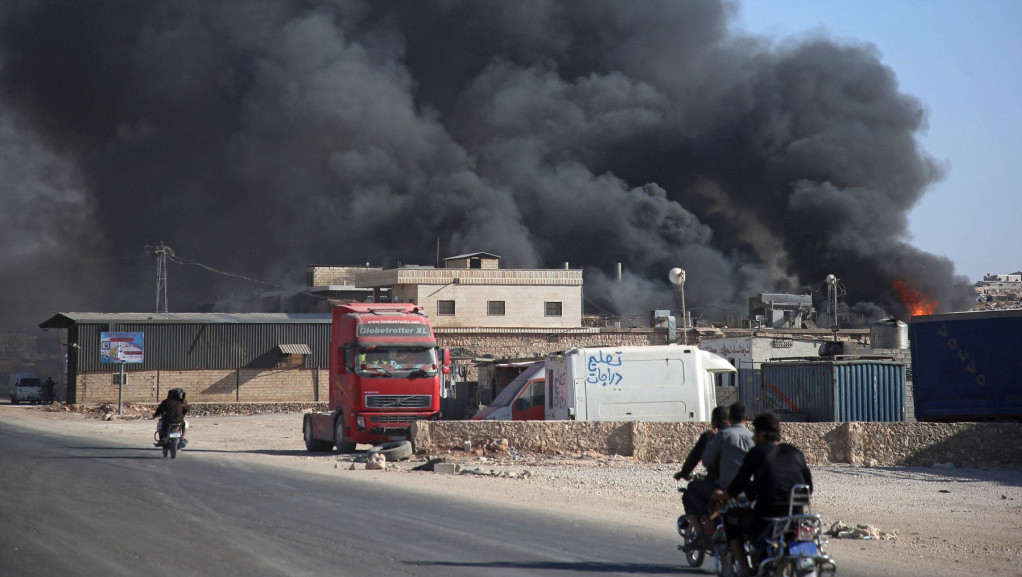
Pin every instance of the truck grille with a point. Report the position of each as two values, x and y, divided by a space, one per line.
391 419
399 401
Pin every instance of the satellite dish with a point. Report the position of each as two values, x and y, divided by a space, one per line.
676 276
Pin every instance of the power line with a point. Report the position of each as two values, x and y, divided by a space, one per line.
164 253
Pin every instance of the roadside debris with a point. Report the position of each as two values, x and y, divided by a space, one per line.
842 530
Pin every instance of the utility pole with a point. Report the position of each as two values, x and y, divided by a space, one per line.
161 252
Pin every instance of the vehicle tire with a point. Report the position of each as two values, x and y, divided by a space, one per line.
724 564
694 557
343 445
311 443
393 451
172 445
166 450
14 399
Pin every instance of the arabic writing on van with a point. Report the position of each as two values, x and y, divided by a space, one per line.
560 389
602 369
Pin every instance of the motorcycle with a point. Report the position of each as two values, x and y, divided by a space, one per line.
174 441
690 534
792 546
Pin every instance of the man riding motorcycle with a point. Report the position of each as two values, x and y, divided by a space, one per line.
697 495
767 474
172 410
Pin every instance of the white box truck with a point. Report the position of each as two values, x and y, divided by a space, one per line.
636 383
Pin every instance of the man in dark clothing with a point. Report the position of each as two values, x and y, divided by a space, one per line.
172 410
767 474
697 495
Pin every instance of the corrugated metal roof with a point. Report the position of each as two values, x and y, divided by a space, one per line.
65 320
295 349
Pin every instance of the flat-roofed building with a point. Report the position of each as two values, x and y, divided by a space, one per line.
473 291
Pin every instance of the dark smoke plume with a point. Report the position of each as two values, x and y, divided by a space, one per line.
260 136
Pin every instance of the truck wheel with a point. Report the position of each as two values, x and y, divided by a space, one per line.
14 399
343 445
311 443
394 451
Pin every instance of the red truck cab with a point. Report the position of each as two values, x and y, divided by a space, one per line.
385 374
523 399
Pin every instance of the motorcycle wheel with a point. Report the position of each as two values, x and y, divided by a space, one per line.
724 563
172 445
694 557
166 450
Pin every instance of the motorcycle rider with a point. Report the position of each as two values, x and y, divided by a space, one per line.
767 475
172 410
696 498
727 449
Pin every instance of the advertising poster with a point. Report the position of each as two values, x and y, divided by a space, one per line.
121 347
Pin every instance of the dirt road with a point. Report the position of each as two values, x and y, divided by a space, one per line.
944 521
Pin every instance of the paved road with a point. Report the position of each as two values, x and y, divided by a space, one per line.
73 506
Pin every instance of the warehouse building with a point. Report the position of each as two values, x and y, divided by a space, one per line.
215 357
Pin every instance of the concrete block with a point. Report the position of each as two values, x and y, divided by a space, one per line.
447 468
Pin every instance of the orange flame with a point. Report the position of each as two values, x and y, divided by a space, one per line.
913 299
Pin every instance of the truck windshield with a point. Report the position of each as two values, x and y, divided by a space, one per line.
31 382
396 362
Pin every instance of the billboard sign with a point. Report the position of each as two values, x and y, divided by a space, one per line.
121 347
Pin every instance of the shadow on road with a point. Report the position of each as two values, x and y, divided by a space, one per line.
588 567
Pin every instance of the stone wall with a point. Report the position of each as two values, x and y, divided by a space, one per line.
514 345
878 444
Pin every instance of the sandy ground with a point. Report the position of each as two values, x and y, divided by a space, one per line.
945 521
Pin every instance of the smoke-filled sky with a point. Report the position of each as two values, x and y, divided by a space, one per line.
260 136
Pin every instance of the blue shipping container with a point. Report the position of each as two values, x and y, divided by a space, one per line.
967 366
835 391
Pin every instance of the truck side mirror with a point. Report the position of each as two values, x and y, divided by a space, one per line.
342 360
445 361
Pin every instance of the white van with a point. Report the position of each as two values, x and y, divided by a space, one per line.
26 387
637 383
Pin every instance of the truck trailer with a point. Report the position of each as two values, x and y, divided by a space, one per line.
635 383
385 374
966 366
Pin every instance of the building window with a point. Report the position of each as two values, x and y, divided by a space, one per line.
445 307
495 308
552 309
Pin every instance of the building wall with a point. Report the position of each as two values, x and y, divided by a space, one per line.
207 386
535 344
472 288
522 308
335 275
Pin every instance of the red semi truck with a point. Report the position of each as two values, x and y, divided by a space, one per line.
385 374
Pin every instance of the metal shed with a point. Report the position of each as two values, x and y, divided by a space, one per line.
197 341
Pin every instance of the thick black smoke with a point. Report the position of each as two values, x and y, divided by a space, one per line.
260 136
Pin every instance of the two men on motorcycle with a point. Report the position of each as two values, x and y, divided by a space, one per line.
766 476
172 411
696 498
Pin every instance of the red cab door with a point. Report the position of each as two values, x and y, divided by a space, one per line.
528 405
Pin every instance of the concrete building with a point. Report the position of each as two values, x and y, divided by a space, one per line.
472 291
